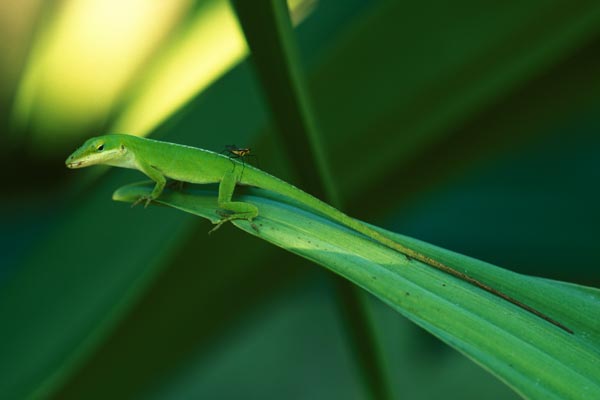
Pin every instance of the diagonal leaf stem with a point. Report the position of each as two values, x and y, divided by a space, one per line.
269 33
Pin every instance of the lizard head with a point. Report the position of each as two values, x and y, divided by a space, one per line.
97 150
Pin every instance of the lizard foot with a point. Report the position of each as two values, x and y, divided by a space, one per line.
226 217
146 199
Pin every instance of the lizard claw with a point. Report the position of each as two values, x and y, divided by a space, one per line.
217 226
146 199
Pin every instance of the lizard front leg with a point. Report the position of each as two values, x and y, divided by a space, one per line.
157 177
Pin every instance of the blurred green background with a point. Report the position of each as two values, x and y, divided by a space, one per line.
468 125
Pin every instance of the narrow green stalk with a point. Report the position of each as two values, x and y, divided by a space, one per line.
270 36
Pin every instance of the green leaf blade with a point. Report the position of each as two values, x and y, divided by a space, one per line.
534 357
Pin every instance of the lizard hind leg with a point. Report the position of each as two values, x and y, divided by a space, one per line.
232 210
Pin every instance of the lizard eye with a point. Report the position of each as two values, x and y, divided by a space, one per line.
100 148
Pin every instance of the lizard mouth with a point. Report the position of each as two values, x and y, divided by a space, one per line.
74 164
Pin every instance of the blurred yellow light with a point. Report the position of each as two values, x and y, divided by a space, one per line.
101 58
212 44
80 64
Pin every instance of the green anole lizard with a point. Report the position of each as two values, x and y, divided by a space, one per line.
161 160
